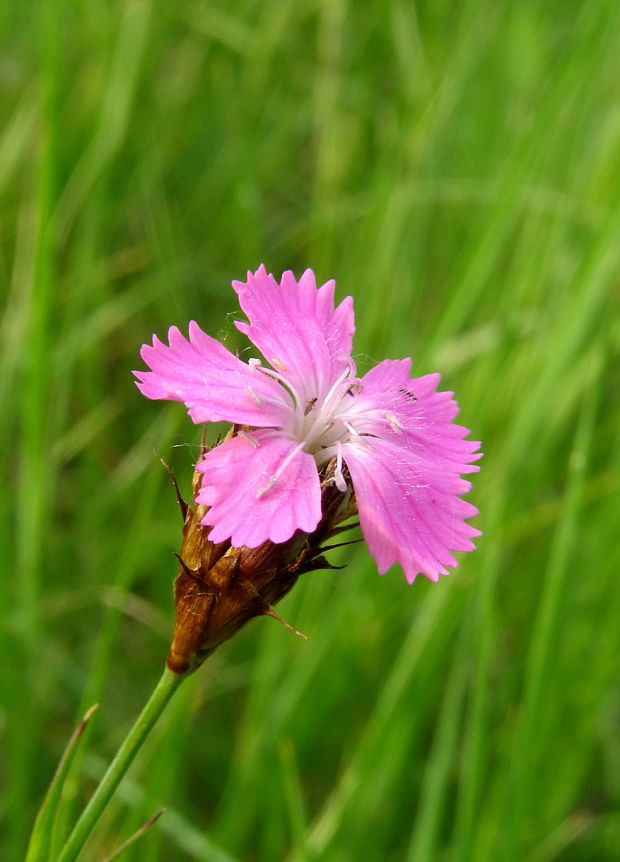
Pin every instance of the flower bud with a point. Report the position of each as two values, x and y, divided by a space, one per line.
219 587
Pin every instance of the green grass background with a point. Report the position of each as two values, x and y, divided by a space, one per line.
455 165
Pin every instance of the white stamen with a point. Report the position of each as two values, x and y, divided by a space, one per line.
286 383
273 480
364 442
334 390
394 422
249 438
255 398
267 487
324 412
338 477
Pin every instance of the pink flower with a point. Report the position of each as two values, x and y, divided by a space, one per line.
392 435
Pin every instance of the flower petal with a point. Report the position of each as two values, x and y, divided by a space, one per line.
297 328
213 383
410 510
260 486
411 413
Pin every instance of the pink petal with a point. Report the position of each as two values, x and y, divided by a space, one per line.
412 414
212 383
297 328
250 501
410 510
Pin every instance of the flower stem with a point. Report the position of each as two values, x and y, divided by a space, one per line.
130 746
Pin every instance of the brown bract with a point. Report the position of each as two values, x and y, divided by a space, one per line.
219 588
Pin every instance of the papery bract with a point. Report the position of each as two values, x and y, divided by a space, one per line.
392 436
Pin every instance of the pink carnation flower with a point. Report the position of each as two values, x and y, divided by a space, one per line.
392 435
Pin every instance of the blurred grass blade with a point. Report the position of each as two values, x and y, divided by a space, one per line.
137 834
440 769
540 669
298 820
41 838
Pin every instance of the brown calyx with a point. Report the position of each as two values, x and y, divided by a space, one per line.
219 588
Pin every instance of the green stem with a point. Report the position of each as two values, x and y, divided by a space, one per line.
132 743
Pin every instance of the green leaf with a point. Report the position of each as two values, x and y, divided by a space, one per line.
41 838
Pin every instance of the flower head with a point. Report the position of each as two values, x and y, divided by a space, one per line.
390 437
